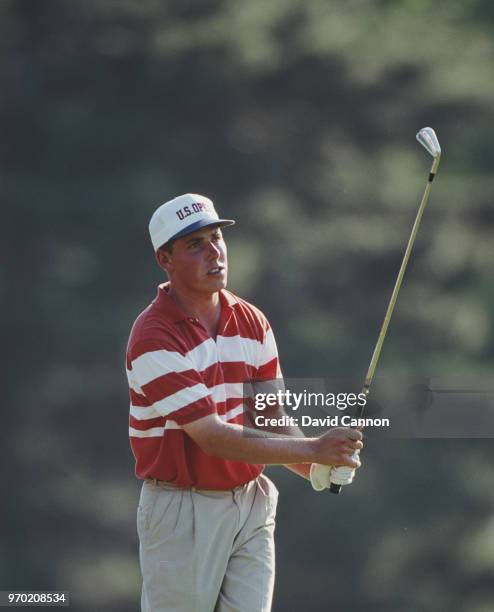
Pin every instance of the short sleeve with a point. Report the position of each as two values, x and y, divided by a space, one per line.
269 365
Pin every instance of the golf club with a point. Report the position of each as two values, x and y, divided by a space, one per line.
344 475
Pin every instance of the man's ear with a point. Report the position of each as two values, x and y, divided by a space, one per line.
164 259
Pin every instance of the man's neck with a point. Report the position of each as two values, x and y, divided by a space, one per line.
206 307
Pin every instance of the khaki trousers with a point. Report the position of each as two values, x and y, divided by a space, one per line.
207 551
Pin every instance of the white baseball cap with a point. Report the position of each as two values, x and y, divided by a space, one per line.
181 216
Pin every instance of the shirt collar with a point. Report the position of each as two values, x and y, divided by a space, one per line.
175 313
227 298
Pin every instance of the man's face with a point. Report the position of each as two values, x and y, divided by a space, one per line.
198 261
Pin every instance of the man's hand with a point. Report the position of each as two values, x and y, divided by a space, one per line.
340 437
337 447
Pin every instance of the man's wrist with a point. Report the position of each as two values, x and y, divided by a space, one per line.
312 450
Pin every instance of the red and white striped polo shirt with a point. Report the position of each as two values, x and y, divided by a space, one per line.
177 373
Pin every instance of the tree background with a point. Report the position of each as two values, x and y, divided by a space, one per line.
298 119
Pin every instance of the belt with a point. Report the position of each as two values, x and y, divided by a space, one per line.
173 487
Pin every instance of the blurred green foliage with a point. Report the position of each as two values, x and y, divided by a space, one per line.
298 119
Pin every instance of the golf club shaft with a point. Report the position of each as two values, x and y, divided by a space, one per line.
335 488
394 296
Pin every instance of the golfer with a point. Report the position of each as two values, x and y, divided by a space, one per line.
206 513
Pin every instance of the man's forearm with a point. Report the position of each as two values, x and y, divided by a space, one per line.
294 431
237 443
301 469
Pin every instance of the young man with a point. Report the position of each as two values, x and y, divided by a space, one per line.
206 513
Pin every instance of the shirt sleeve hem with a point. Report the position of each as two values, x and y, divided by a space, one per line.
186 416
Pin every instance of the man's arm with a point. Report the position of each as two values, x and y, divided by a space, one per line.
270 370
301 469
230 441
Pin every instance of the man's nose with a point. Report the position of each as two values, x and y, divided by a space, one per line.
213 249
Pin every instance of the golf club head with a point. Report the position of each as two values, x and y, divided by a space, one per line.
428 139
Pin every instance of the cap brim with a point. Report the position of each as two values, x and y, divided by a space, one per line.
200 224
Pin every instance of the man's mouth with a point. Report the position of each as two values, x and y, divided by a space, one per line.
216 270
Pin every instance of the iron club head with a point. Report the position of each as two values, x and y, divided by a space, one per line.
428 139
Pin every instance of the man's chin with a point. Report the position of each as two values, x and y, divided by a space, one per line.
221 283
216 283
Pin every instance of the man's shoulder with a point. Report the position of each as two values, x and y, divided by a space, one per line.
150 329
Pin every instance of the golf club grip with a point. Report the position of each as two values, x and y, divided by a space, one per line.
342 475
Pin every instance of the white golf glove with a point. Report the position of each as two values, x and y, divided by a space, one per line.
321 476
